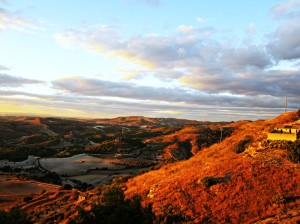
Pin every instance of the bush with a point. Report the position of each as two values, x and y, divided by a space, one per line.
14 216
208 181
293 151
242 145
292 148
27 198
113 208
66 187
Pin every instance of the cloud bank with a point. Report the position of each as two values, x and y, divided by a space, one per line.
14 81
215 75
205 63
211 68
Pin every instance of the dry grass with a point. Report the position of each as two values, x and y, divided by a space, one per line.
255 179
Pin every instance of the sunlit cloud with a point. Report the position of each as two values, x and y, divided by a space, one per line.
13 21
197 60
128 75
171 112
90 107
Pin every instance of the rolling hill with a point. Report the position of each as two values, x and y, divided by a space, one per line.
218 185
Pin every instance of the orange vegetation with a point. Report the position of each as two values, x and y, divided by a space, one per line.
257 185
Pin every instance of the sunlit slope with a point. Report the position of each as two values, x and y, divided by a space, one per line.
258 184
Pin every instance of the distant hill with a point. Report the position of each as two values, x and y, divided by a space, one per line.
50 136
141 120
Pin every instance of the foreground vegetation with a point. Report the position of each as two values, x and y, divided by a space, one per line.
14 216
114 208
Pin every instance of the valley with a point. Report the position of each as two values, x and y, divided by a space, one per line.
90 153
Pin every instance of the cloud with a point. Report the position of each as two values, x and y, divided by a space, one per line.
71 105
275 83
191 55
270 88
188 47
250 29
285 42
288 8
151 2
14 81
200 20
194 50
92 108
85 98
245 57
14 21
3 68
151 50
210 69
102 88
96 38
186 29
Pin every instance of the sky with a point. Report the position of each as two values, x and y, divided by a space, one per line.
201 60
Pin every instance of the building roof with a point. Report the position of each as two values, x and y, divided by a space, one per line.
290 126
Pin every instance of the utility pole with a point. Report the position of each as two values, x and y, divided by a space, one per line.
285 105
221 129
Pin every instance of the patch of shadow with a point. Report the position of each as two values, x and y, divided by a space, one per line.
289 199
209 181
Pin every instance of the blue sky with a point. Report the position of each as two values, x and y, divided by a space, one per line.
204 60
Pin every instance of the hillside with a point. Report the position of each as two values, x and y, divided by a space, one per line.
259 185
218 184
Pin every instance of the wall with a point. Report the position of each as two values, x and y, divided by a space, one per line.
278 136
